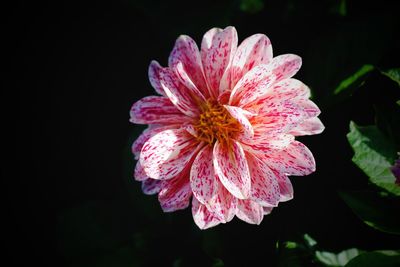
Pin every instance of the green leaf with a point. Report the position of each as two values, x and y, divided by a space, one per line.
375 210
336 260
374 155
354 80
393 74
376 258
398 102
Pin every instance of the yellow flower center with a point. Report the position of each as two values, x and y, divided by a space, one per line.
216 123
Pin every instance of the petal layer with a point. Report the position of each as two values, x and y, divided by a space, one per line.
155 110
231 167
167 153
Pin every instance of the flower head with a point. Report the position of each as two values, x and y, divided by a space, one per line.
222 131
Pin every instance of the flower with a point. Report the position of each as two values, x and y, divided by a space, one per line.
222 130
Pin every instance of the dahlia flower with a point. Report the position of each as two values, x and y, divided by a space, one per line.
222 130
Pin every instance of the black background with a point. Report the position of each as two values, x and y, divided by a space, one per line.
73 69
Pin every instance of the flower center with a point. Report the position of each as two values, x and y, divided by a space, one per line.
216 123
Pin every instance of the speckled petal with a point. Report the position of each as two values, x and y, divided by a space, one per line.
176 193
217 50
288 89
308 127
264 184
249 211
146 134
167 153
188 83
267 210
263 144
202 177
285 187
222 204
154 77
182 97
151 186
231 167
257 81
296 159
140 174
253 51
240 115
202 217
155 110
187 52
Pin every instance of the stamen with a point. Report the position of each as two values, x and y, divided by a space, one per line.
216 123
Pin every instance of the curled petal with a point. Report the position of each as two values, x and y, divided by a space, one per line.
240 115
202 217
187 82
167 153
182 97
147 133
267 210
253 51
140 174
285 187
155 110
231 167
217 50
187 52
176 193
308 127
264 184
151 186
249 211
295 159
154 77
202 177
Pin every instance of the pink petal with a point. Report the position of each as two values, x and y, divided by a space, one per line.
187 52
263 144
202 217
217 50
151 186
256 82
253 51
240 115
167 153
308 127
288 89
249 211
267 210
155 110
184 78
264 184
154 76
285 187
176 193
182 97
222 204
295 159
147 133
190 129
202 177
140 174
231 167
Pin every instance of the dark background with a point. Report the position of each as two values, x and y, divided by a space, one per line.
73 69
